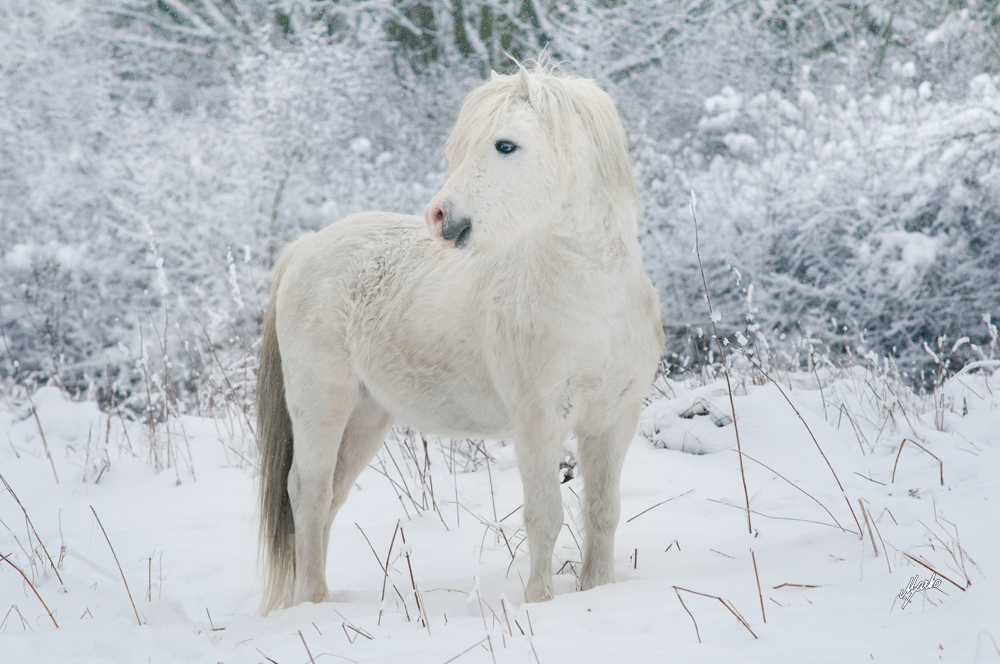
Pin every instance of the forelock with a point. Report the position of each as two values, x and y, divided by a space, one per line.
563 103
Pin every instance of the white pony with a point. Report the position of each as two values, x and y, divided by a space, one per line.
517 308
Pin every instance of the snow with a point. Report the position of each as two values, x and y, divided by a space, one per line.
180 516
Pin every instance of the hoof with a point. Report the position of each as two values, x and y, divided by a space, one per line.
314 596
542 593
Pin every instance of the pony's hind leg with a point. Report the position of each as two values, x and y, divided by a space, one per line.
320 407
602 453
363 436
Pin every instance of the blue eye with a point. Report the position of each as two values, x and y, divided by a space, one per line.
505 147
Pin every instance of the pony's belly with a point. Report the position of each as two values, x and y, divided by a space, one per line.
458 408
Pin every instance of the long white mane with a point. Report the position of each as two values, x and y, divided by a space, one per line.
572 109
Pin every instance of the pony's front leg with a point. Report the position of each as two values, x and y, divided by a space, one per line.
539 449
602 454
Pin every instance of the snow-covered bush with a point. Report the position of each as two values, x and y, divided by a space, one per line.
867 218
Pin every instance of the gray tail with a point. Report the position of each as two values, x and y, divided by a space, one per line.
276 548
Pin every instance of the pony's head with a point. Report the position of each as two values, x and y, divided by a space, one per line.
533 152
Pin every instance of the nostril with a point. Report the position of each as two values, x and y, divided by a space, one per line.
457 230
438 215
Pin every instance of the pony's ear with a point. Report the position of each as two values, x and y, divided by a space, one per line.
527 86
493 75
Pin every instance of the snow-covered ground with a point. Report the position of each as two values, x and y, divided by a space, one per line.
180 517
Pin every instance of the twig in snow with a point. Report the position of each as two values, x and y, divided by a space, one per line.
931 569
489 473
377 559
679 599
759 593
30 585
385 578
478 643
868 525
265 656
225 377
108 539
843 492
211 623
797 487
28 519
657 505
416 594
489 642
725 367
306 645
724 603
875 525
907 440
31 404
770 516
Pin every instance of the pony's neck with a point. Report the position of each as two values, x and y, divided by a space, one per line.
601 233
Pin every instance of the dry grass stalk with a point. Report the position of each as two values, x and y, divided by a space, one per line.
384 471
503 607
211 623
306 645
32 526
232 391
814 499
929 567
423 473
857 432
656 505
31 404
843 492
149 398
493 500
875 525
24 623
6 559
759 593
724 603
722 358
770 516
793 585
108 539
385 571
405 607
864 514
348 623
416 594
265 656
819 383
489 641
474 645
963 554
357 632
385 578
907 440
696 631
